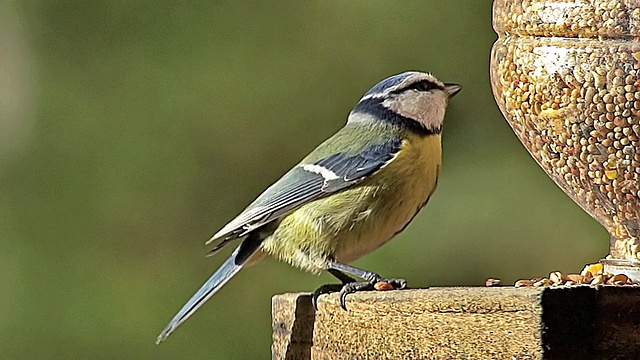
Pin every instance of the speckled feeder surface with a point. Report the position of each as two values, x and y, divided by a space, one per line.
566 75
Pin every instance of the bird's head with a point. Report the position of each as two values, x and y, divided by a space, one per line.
414 99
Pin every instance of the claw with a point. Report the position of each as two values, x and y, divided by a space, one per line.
351 288
324 289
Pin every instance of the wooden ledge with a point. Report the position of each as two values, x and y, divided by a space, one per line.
579 322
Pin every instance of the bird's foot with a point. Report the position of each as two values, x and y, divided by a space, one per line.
377 284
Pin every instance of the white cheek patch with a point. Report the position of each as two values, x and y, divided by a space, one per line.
320 170
426 108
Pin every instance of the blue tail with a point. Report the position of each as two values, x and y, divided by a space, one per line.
230 267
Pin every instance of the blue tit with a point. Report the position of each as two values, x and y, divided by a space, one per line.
349 196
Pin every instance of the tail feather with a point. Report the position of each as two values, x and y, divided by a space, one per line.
230 267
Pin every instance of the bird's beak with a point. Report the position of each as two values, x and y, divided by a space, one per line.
452 89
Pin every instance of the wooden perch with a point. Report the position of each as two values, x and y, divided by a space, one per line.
580 322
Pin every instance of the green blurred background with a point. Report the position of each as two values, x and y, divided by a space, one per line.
130 131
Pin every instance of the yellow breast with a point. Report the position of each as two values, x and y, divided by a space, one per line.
354 222
404 187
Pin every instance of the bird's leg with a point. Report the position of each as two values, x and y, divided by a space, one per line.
370 284
344 278
329 288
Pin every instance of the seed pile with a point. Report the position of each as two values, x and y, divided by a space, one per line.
591 275
575 103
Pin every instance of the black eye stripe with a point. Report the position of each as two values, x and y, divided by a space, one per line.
422 85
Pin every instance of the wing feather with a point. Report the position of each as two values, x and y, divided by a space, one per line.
302 185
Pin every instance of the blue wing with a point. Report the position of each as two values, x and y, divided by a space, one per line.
306 183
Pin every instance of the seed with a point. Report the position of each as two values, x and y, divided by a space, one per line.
493 282
540 283
555 277
574 278
597 280
523 282
611 174
620 279
593 270
383 286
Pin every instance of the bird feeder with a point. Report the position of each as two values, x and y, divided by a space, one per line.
566 76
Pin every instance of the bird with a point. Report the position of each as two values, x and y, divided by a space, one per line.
349 196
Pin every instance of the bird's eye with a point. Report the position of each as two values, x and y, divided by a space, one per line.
422 85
